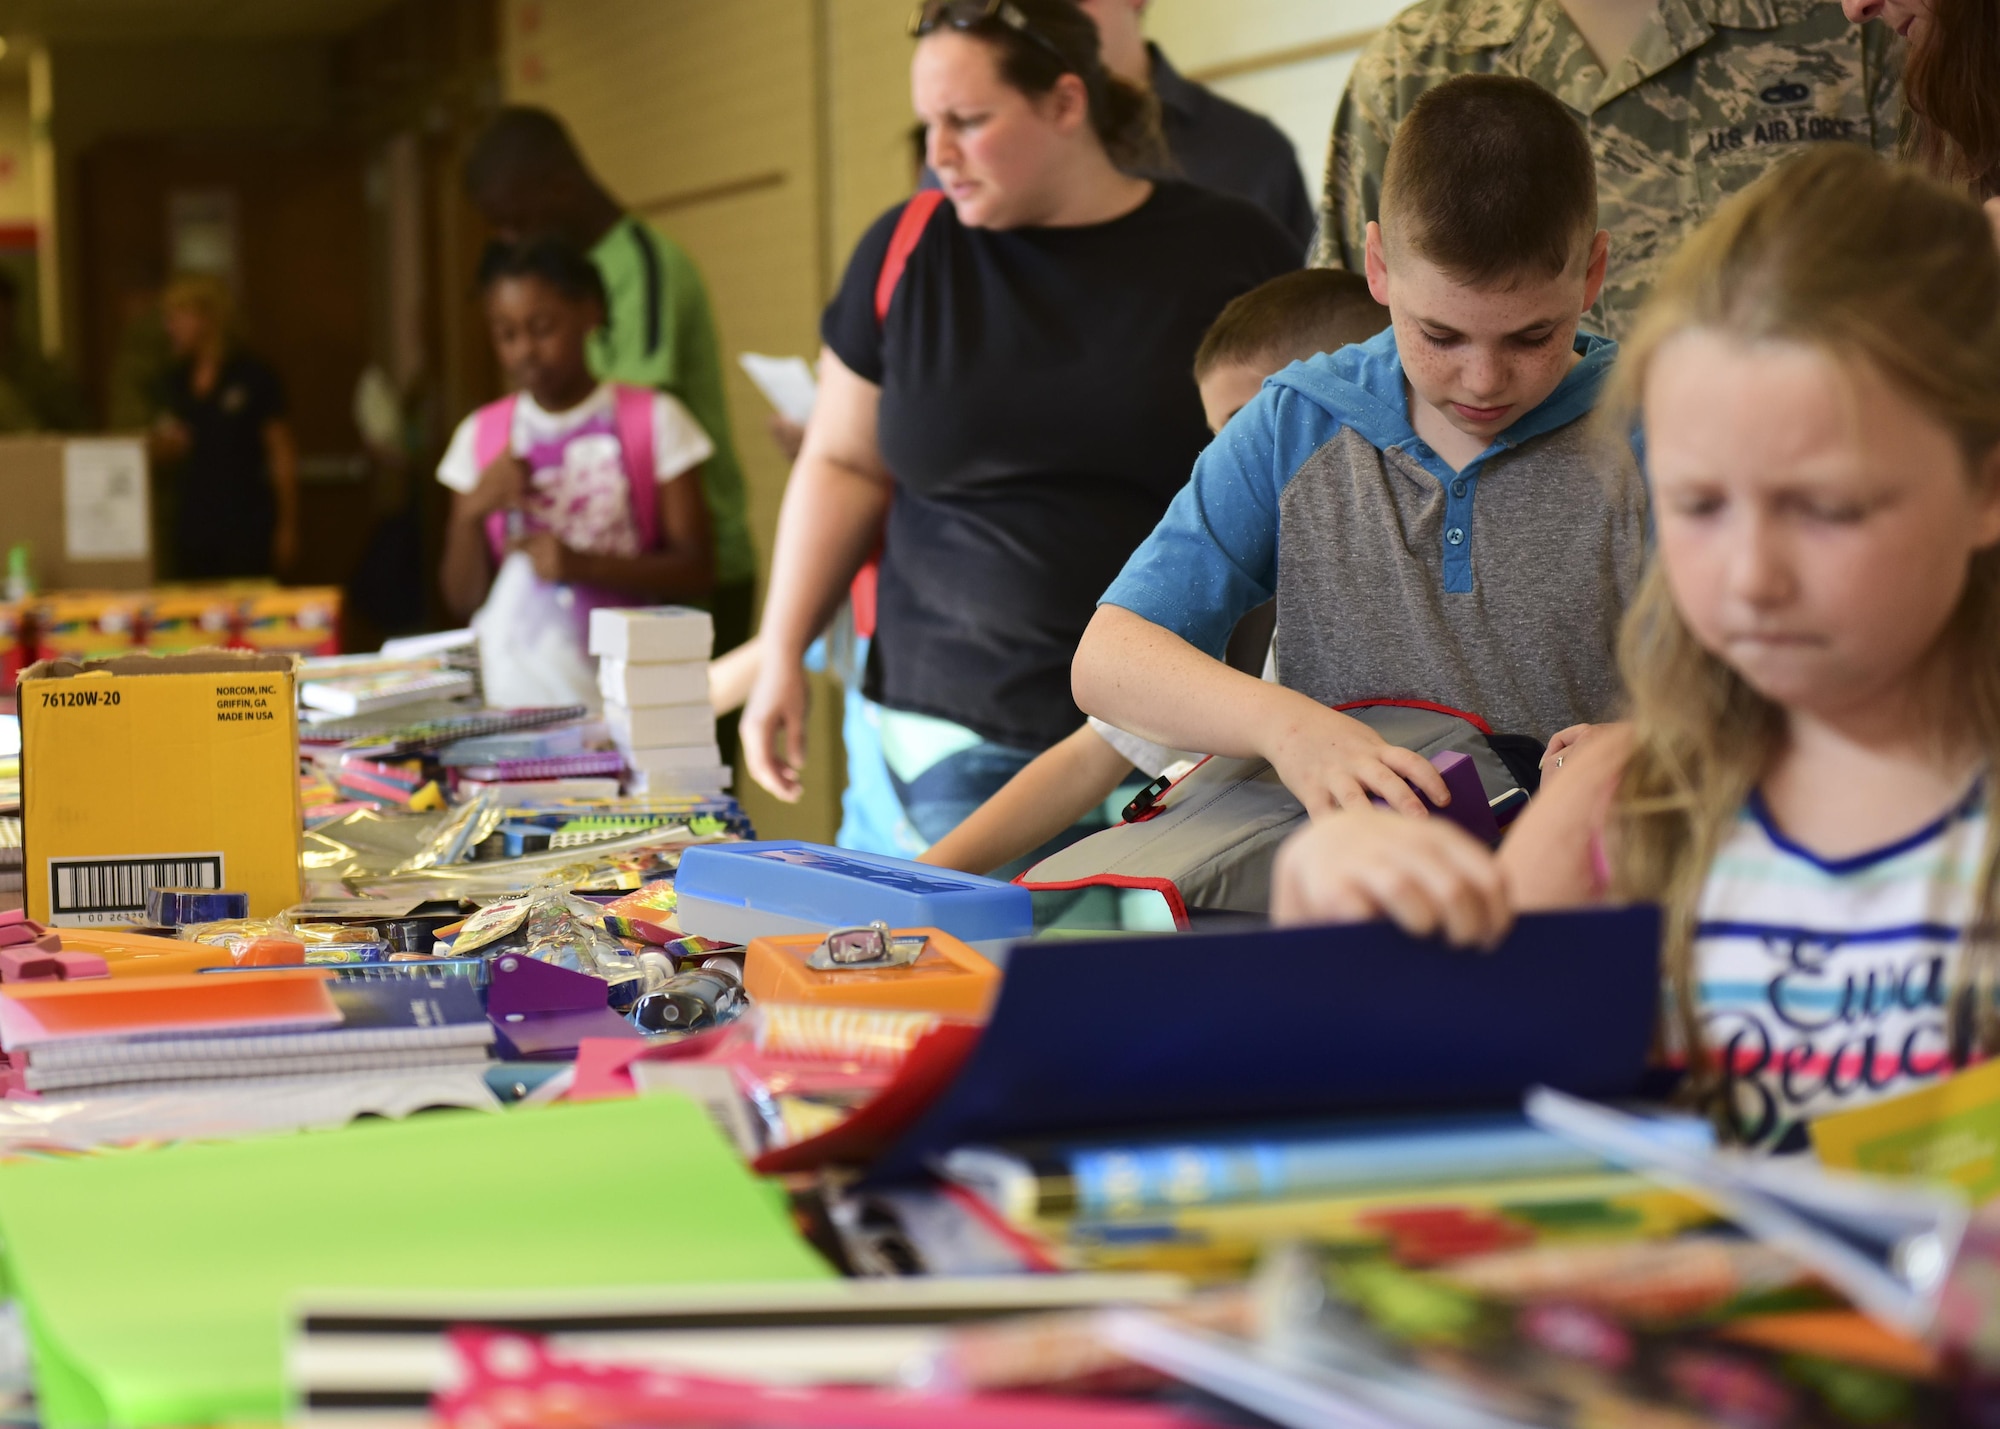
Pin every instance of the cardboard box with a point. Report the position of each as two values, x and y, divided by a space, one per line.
88 624
81 504
296 620
192 618
150 771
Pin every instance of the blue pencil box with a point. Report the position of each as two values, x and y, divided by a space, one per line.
736 892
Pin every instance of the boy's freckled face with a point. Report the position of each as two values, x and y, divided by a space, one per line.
1227 389
1482 357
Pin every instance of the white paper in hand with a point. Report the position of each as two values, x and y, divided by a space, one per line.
786 382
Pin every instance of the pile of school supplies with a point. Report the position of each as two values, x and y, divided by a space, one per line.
653 673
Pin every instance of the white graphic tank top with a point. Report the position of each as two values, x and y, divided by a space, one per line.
1825 984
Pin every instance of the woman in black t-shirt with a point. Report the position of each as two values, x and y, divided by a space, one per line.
223 423
1029 386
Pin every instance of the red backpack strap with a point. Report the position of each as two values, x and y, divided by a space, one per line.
909 230
634 418
492 430
903 241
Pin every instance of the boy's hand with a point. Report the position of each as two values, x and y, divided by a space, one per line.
1428 876
503 486
549 556
1332 761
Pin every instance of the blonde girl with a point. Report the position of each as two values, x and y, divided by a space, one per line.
1807 784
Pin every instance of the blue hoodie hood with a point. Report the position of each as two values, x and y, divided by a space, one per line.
1361 388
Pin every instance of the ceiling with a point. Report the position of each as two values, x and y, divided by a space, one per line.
146 20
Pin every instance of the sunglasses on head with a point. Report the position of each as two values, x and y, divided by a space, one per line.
933 15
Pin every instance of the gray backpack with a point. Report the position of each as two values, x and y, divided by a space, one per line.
1205 843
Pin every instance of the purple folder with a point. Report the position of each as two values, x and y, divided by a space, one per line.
541 1010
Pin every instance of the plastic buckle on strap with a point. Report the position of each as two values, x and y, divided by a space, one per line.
1145 803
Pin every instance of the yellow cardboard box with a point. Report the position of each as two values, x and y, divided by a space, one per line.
158 771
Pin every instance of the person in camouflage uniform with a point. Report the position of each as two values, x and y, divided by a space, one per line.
1710 95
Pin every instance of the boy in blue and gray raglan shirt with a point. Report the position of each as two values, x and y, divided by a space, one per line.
1435 516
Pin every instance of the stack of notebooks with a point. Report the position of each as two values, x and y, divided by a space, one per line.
173 1033
536 766
653 673
350 685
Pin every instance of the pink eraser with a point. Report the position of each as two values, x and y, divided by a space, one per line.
78 965
12 934
27 965
13 915
48 943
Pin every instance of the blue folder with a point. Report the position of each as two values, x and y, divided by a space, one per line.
1095 1037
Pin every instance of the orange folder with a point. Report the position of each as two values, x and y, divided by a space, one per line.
35 1014
948 977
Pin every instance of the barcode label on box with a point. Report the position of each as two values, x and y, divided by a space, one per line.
84 892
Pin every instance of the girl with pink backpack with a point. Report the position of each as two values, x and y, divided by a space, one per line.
568 495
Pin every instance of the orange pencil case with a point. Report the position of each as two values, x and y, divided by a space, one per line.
946 977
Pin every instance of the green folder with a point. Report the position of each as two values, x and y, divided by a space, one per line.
157 1284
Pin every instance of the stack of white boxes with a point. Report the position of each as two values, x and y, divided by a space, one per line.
653 671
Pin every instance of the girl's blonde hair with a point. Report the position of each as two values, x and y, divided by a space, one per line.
1877 266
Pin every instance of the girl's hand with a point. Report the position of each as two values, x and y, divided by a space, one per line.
1332 761
774 728
1563 741
550 557
1428 876
1566 743
503 486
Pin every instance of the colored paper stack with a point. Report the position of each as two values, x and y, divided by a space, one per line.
653 672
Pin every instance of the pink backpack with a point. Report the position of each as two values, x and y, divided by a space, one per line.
493 428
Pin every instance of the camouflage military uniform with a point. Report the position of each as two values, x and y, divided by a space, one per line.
1712 94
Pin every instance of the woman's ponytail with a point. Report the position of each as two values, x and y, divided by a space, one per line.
1127 121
